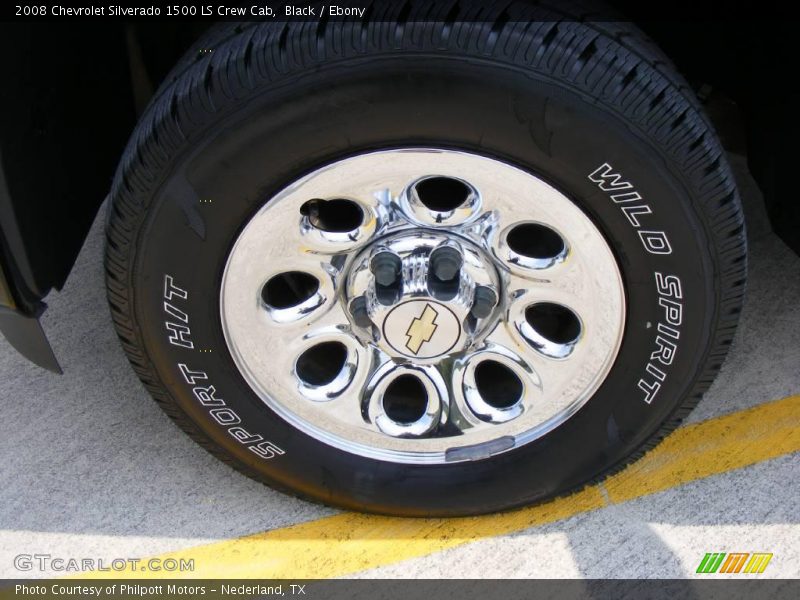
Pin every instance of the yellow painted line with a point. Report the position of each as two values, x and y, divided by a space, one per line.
346 543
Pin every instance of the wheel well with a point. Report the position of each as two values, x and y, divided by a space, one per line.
69 104
745 63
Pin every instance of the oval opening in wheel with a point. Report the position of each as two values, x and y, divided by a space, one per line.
289 289
442 194
320 364
554 322
534 240
334 216
405 400
498 385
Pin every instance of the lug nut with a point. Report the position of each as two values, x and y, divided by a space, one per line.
485 300
386 266
358 308
445 262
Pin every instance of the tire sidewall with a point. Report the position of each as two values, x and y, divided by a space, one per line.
231 166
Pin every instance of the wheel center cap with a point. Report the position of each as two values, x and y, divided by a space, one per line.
421 294
421 329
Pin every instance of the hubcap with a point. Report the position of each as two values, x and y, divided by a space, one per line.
422 306
420 291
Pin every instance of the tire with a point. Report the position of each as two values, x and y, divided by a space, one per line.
592 109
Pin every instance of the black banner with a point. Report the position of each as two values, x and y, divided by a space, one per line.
96 11
341 589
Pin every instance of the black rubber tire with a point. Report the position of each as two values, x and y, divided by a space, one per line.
557 97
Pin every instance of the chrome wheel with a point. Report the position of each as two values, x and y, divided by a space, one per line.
422 306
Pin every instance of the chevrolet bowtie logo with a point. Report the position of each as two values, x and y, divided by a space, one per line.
421 329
